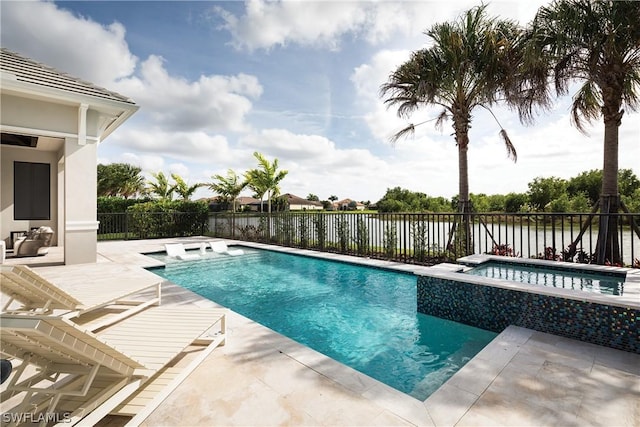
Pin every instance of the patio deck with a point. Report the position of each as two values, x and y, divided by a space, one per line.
261 378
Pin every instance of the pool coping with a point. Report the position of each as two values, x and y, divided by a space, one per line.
455 398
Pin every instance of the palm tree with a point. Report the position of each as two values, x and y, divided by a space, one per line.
120 179
466 67
265 179
229 187
184 190
161 187
133 186
596 43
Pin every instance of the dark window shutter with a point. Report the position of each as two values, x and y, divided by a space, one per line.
31 191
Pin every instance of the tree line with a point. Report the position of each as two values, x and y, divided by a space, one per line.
545 194
125 181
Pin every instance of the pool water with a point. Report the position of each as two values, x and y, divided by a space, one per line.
590 282
363 317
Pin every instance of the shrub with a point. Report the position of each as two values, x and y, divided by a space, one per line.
420 240
320 225
362 237
284 230
503 250
390 242
168 218
304 231
110 204
343 234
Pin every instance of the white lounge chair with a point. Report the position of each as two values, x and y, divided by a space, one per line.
176 250
28 291
203 248
66 370
222 248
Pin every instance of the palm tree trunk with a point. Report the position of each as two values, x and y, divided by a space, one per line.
233 218
269 228
463 177
461 120
463 244
608 246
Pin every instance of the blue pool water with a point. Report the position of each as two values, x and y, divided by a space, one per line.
590 282
363 317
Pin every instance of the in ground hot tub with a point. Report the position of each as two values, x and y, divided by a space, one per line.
493 300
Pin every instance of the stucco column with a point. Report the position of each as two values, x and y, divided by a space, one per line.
81 225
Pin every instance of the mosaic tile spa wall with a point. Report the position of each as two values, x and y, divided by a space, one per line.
494 309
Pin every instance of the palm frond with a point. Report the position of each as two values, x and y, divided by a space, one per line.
586 105
409 130
511 149
442 117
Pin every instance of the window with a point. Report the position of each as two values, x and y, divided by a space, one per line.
31 191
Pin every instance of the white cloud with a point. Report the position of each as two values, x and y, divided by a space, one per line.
45 32
214 103
323 23
316 165
266 24
197 147
313 151
147 162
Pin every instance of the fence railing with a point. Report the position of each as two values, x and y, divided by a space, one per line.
426 238
145 225
433 237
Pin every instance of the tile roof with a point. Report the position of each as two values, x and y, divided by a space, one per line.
247 200
292 199
30 71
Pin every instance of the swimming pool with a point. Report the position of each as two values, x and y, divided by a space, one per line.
363 317
552 277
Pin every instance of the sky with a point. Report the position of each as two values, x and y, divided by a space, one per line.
297 81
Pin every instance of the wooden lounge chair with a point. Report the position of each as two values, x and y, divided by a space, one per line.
222 248
81 376
176 250
34 293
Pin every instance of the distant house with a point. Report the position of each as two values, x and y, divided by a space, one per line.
295 203
219 204
215 203
348 205
251 203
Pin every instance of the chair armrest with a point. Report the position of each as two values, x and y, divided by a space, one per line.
17 244
27 247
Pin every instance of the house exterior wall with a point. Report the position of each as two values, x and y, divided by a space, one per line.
29 113
80 189
73 171
295 207
9 155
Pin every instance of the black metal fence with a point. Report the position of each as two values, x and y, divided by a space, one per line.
426 238
144 225
433 237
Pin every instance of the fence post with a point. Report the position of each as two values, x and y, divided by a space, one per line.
126 226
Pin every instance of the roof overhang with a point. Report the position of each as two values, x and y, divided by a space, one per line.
119 111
